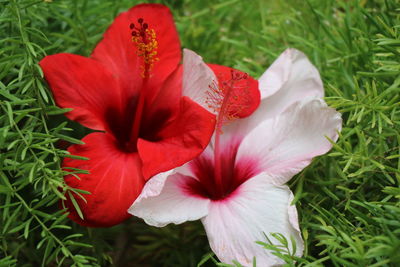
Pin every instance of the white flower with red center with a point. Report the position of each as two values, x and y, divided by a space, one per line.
237 185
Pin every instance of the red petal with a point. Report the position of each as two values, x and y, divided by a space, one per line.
180 141
118 52
84 85
248 94
115 180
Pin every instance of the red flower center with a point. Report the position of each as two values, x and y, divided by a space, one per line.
122 125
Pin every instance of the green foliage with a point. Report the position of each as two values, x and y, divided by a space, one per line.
348 200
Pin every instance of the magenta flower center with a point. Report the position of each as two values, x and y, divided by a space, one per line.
233 174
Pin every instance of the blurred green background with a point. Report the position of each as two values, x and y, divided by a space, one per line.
348 200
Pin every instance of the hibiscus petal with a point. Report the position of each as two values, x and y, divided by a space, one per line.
197 78
84 85
185 137
165 102
245 95
254 210
119 54
165 200
115 180
194 82
286 144
292 77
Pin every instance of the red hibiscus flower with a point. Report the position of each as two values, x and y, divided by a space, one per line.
133 91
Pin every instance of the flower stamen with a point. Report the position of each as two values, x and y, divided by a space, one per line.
146 43
227 99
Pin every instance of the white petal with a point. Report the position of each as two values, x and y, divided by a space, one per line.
292 77
197 77
284 145
165 200
256 209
